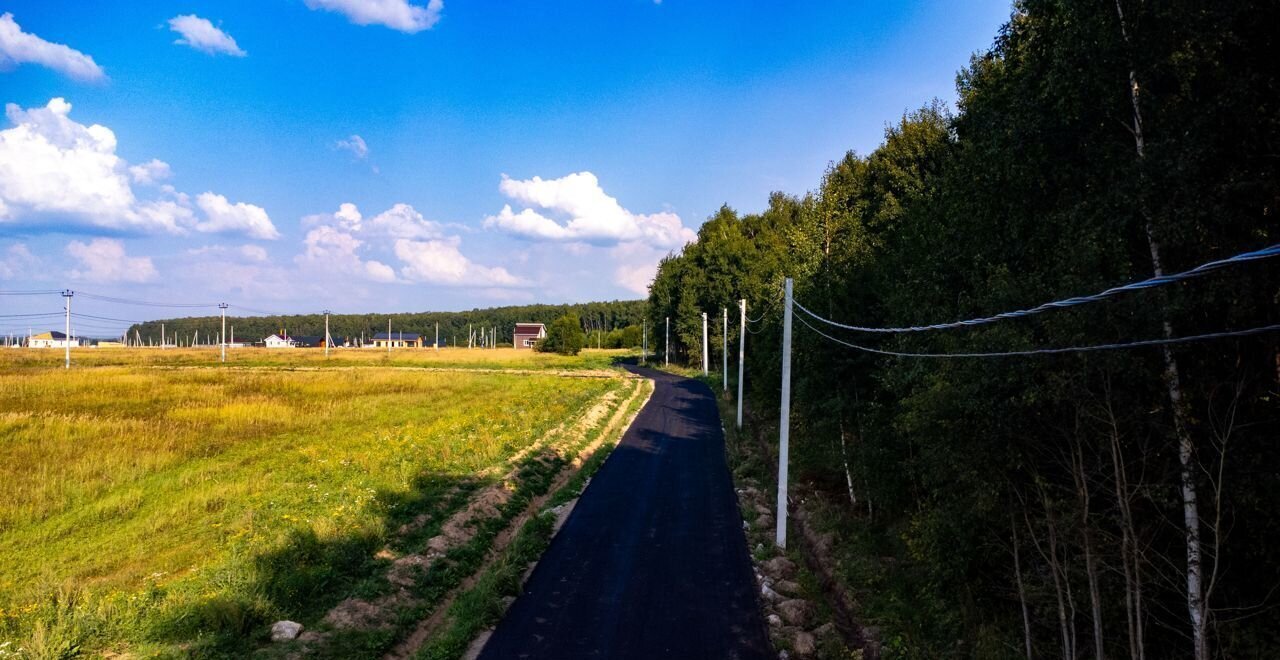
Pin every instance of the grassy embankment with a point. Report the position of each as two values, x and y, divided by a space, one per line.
153 509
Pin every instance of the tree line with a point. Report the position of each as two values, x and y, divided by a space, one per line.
608 318
1119 503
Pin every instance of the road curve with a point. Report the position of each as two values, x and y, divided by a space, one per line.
652 562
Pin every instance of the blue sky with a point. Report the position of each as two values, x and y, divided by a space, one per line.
516 151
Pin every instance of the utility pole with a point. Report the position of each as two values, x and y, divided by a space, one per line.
223 337
784 422
66 337
644 343
471 337
742 351
724 347
666 345
437 336
706 363
326 333
388 335
162 336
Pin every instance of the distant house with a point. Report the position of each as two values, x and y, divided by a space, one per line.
278 341
528 334
397 340
52 339
309 341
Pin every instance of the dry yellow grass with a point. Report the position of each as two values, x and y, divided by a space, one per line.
150 493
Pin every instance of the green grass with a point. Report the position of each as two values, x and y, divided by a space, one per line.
480 606
164 511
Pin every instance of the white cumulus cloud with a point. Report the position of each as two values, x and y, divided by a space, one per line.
356 145
204 36
104 260
224 217
337 243
56 172
150 172
399 15
441 262
589 214
18 262
18 47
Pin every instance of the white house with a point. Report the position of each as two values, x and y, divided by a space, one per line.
276 341
52 339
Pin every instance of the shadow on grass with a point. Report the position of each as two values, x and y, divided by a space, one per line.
306 576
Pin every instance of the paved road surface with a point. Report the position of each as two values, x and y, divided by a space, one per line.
653 562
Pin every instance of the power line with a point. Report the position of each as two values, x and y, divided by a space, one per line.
33 292
141 303
79 315
1149 283
1054 351
27 316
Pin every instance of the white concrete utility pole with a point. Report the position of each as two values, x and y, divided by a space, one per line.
326 333
222 338
644 343
666 345
706 363
66 336
388 335
724 347
784 422
162 336
742 351
437 336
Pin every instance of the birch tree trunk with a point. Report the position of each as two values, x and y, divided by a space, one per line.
1186 445
1086 534
1022 591
1128 541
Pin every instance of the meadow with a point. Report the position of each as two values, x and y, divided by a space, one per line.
155 502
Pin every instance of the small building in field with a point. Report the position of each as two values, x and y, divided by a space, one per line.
397 339
528 334
52 339
309 341
279 341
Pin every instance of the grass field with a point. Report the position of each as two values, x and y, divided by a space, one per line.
146 509
449 358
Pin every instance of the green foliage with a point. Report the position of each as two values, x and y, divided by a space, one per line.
453 325
564 336
1032 190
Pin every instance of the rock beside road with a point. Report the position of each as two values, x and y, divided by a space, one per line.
796 612
284 631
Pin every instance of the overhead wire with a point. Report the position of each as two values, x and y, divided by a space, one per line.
1148 283
141 303
1054 351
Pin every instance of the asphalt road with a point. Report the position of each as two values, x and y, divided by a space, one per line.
652 562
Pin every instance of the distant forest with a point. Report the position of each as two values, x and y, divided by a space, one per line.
595 316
